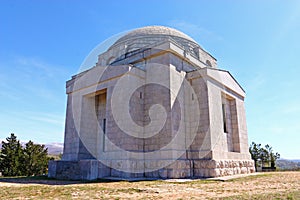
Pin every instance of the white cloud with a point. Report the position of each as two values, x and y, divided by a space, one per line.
32 99
47 118
256 82
29 78
33 66
195 31
35 117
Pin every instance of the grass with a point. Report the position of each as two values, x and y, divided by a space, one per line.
295 195
253 177
278 185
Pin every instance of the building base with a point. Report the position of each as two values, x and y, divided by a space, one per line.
93 169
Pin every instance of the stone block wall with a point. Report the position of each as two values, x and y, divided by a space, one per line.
217 168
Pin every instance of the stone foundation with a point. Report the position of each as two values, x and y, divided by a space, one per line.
77 170
93 169
214 168
203 169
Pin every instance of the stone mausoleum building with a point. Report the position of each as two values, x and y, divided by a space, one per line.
155 105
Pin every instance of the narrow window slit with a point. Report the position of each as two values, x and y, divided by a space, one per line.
224 119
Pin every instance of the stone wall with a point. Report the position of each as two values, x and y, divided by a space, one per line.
93 169
216 168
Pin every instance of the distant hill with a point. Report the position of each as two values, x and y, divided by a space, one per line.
54 148
286 164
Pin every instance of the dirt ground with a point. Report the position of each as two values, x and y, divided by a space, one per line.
275 185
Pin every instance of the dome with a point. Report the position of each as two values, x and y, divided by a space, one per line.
148 35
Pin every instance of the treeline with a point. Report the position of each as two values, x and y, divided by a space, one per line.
30 160
263 155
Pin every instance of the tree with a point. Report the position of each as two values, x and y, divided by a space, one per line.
274 157
18 161
11 157
255 151
36 159
266 155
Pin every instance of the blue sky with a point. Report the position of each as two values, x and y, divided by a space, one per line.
43 43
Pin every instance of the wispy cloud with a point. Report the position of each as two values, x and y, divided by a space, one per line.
55 119
195 31
289 23
34 66
28 76
32 99
256 82
279 118
292 108
286 127
35 117
7 91
33 125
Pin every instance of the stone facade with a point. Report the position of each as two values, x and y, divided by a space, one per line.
155 105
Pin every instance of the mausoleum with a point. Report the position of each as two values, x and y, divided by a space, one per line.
155 105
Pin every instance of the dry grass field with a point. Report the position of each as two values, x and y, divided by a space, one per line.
276 185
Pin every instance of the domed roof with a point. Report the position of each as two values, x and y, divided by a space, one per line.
154 31
145 36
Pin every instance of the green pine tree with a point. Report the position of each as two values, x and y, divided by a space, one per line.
36 159
11 157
